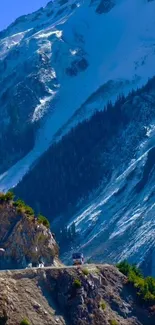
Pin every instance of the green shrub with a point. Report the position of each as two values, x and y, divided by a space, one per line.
19 203
136 270
43 220
145 287
102 304
77 283
29 211
2 197
25 321
85 271
113 322
19 210
124 267
23 208
9 196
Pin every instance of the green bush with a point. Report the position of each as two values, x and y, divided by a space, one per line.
136 270
23 208
102 304
126 268
2 197
29 211
113 322
43 220
9 196
25 321
19 203
145 287
19 210
77 284
85 271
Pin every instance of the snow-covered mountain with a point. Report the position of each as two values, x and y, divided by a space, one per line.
57 67
53 60
101 176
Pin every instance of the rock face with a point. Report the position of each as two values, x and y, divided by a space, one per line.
52 296
24 239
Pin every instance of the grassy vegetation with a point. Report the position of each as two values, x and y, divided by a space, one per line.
26 209
23 208
77 283
102 304
145 287
85 271
25 321
43 220
9 196
113 322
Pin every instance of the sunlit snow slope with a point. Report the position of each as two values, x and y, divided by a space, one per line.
53 61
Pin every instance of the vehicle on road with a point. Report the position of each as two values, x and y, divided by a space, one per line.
35 265
29 266
78 259
41 265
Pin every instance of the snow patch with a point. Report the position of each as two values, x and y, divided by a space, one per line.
41 109
58 34
8 43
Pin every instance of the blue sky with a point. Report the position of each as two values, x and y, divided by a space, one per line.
12 9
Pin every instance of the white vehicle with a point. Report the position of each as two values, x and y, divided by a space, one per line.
29 266
41 265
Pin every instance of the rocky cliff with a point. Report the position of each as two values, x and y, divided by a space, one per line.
24 238
70 296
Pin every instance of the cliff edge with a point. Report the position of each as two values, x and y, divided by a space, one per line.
96 295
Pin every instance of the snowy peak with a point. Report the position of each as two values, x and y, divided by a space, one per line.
41 18
55 61
52 13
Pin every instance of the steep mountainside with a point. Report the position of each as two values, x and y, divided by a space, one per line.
69 296
57 67
54 59
101 176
